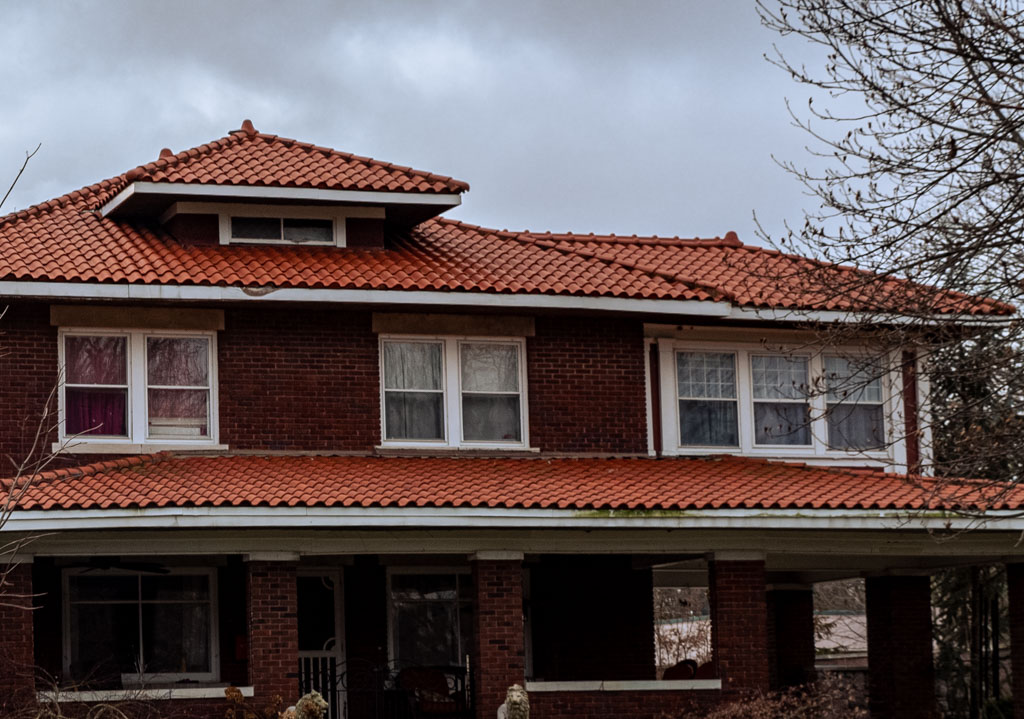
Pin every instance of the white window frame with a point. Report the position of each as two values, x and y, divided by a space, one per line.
138 439
226 210
451 386
155 678
425 569
853 402
893 455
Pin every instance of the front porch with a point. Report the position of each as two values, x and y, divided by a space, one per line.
389 634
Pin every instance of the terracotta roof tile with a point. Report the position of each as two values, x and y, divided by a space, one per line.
66 239
581 484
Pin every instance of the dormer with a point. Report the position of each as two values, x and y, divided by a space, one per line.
255 188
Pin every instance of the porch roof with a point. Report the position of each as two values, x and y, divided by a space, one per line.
635 484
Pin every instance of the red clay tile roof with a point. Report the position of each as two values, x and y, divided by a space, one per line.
247 157
167 480
66 239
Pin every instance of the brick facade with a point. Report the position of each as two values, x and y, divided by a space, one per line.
586 385
1015 586
273 631
298 380
739 624
28 360
791 636
17 661
498 632
901 676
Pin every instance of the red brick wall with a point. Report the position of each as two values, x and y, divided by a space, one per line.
616 705
498 635
586 385
17 670
739 624
28 365
592 618
300 379
791 627
1015 586
901 677
273 631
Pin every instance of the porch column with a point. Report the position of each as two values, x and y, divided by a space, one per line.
739 620
901 675
498 628
273 626
17 655
1015 585
791 625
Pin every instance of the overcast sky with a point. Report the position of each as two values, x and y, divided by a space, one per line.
587 116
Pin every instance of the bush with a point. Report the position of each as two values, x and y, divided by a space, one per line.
829 698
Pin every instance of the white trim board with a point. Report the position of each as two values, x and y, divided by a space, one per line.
146 694
207 293
498 518
279 193
619 685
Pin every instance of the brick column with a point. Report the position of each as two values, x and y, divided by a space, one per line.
791 623
901 675
273 629
1015 584
498 628
17 656
739 622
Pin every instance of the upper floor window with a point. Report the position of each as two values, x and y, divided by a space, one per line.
135 386
283 230
728 398
453 391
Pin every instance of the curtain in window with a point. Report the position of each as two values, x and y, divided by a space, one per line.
413 390
706 383
178 380
490 392
784 379
854 395
96 385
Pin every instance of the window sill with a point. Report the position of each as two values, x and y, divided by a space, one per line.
413 448
656 685
100 447
62 696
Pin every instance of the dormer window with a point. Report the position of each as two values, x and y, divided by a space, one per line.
286 230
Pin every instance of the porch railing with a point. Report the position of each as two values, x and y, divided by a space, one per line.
365 690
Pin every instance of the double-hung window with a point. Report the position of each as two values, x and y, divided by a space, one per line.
724 397
137 387
124 627
430 617
450 391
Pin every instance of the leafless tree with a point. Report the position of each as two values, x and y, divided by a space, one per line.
916 172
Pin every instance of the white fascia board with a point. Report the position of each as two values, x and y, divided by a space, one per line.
205 293
842 317
291 194
497 518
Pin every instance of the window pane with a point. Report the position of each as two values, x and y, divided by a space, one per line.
423 586
491 417
852 381
412 365
96 360
103 587
176 638
781 423
96 411
316 613
852 426
707 423
256 228
489 368
308 231
104 642
178 587
706 375
178 413
414 415
779 377
178 361
426 634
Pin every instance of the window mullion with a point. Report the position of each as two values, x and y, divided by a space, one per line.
137 394
453 392
818 403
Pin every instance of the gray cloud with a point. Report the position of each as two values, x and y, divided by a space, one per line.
645 117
